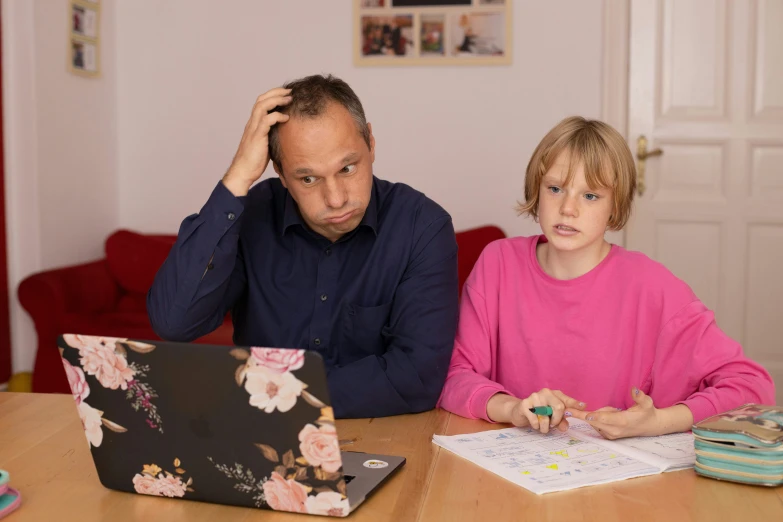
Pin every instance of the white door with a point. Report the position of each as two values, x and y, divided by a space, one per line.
706 87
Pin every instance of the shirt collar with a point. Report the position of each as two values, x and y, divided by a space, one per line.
292 216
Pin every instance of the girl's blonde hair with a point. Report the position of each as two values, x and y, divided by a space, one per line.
607 160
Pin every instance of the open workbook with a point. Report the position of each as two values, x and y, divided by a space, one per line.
579 457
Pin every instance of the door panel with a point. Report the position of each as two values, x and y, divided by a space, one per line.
706 87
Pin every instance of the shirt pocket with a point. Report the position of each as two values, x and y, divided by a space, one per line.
364 331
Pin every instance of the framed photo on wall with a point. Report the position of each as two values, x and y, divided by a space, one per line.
84 21
432 32
83 37
83 57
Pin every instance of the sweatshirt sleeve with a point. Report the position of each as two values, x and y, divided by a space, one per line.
468 385
698 365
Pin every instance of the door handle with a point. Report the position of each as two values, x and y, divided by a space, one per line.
641 162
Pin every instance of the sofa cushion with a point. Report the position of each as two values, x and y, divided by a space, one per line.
471 243
134 258
132 303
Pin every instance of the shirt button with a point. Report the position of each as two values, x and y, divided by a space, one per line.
210 266
323 297
328 251
317 341
231 216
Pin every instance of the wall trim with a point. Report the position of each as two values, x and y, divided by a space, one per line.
616 48
614 76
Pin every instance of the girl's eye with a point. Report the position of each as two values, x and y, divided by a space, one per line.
554 190
591 197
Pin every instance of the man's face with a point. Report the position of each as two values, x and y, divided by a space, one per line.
327 168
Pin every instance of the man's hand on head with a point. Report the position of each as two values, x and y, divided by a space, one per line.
252 156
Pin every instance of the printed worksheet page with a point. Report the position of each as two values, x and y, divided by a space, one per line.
669 452
546 463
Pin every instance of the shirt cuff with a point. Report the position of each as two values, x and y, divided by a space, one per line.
223 205
700 407
478 401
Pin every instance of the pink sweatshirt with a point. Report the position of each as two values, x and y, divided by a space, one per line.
628 322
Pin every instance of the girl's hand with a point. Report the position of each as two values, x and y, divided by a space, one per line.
641 419
504 408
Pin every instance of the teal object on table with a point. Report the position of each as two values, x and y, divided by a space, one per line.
742 445
10 499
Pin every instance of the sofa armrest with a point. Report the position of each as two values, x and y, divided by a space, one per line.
86 288
48 296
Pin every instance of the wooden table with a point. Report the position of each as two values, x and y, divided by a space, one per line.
42 445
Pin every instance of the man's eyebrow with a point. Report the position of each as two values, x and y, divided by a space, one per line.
306 171
351 156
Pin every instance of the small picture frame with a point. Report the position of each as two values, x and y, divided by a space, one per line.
432 32
84 21
388 36
84 57
477 34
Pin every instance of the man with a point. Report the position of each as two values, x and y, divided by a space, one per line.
327 257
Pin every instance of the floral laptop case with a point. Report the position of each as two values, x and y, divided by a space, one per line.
240 426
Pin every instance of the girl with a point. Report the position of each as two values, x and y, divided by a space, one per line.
614 330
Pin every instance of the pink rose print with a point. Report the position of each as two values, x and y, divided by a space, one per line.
270 390
105 358
163 486
320 447
153 481
99 358
278 360
171 486
328 503
285 495
78 341
145 484
91 421
77 382
288 494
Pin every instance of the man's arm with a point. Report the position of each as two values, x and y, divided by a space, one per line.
203 274
410 375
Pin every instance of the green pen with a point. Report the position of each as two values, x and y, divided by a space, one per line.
542 410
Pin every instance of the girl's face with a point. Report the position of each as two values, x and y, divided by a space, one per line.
574 217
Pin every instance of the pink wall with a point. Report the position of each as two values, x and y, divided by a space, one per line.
462 135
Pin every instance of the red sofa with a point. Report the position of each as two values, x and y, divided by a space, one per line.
108 296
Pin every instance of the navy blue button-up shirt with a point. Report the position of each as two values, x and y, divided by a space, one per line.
379 305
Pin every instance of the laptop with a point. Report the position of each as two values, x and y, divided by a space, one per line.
230 425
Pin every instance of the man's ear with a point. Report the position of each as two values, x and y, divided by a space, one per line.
372 144
279 172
